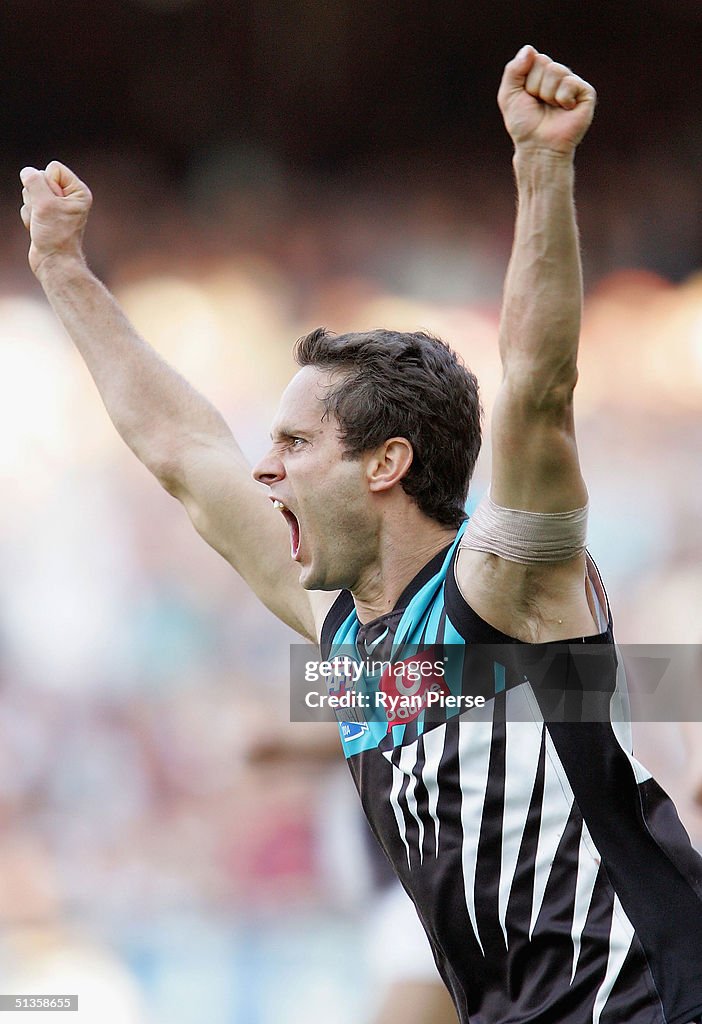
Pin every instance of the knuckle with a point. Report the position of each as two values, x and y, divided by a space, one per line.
571 84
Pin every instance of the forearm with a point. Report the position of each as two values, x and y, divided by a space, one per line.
154 409
541 313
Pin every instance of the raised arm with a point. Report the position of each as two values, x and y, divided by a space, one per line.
178 435
547 110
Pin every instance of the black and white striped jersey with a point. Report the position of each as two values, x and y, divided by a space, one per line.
551 873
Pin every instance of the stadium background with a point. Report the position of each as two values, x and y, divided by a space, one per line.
260 169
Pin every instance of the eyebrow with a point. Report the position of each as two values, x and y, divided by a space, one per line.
286 432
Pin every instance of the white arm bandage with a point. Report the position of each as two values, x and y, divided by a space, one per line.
531 538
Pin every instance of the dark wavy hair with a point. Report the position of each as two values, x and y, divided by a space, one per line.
410 385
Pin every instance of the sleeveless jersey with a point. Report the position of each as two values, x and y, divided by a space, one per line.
551 873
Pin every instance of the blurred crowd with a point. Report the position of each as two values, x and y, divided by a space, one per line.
137 673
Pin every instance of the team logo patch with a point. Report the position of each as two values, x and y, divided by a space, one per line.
344 676
352 730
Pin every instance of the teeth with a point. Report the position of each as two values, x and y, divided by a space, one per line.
278 504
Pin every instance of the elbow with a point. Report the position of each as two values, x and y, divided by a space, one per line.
170 475
544 390
166 465
558 396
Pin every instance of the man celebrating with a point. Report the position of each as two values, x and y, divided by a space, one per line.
550 872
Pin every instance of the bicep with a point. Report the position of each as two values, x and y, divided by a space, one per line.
535 465
234 515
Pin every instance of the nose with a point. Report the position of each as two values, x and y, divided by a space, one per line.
269 470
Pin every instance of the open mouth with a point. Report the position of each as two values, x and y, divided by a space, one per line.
291 520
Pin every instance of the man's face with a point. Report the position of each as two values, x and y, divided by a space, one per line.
326 500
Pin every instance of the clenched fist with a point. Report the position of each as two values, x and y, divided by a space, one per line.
55 206
544 105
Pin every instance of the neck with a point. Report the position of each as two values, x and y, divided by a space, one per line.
398 562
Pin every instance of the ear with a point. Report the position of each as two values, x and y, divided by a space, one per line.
388 464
